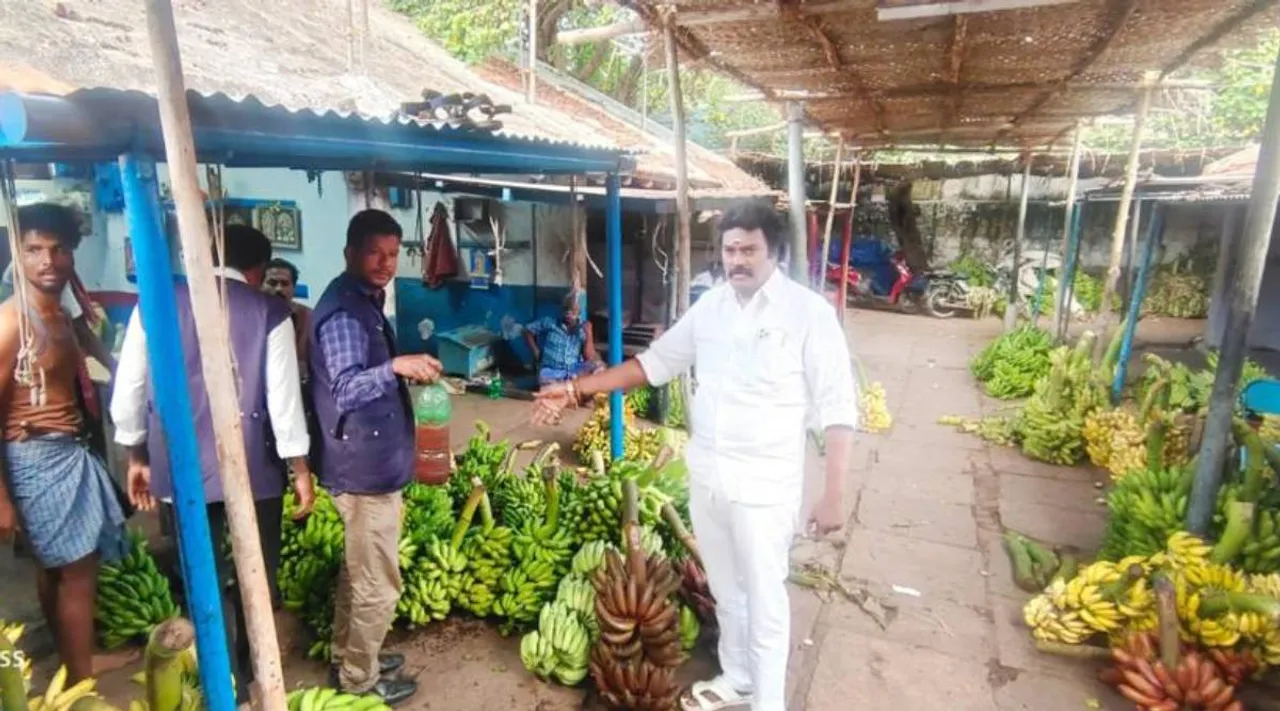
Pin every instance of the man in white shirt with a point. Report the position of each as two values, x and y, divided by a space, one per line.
765 351
265 356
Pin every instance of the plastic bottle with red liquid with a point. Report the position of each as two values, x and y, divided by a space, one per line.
432 412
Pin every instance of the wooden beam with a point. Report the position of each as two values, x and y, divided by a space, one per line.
831 218
843 303
1012 308
1122 208
755 13
771 128
1062 309
889 10
955 61
590 35
1120 12
832 54
214 338
684 233
945 88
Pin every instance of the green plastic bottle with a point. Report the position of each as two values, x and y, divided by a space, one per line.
431 406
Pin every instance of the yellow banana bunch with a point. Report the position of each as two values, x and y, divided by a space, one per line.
874 409
1186 550
58 696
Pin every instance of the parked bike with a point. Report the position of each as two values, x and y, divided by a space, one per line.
879 275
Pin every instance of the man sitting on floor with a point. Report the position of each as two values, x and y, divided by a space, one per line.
563 348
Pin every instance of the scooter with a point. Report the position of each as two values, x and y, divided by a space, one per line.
880 276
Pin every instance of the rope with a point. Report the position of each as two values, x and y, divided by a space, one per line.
213 178
26 371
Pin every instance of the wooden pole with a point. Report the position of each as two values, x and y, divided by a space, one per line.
1248 258
532 96
1126 197
214 338
831 219
796 192
848 238
684 243
1061 308
1011 309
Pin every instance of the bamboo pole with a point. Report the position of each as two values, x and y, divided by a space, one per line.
1061 309
684 243
848 238
831 218
1126 197
533 52
1011 308
796 193
214 339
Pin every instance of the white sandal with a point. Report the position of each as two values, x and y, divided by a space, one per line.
713 695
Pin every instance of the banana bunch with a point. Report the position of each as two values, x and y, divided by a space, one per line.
597 508
589 558
488 553
319 698
575 592
1050 425
428 513
1011 365
1193 584
542 551
559 648
638 443
310 558
482 458
10 633
639 647
677 416
60 697
1261 553
520 499
874 407
133 597
436 582
1145 508
640 401
1196 682
1115 441
997 430
696 593
690 628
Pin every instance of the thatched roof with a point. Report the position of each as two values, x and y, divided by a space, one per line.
294 53
1013 77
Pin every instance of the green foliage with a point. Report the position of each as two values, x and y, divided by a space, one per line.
973 270
469 30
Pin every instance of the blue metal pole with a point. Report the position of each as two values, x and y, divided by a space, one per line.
1155 230
159 313
613 243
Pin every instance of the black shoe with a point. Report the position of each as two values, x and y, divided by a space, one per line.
394 691
388 662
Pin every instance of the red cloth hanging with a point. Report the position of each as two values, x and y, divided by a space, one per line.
441 260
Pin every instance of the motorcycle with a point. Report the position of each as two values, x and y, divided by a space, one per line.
880 275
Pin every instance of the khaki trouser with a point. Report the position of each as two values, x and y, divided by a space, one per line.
368 585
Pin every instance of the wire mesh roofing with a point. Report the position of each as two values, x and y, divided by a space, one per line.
1012 77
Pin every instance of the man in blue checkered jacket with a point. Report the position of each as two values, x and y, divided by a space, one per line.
563 348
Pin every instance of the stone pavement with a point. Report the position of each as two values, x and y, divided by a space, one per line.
927 508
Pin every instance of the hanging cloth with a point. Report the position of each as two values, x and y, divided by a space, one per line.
441 261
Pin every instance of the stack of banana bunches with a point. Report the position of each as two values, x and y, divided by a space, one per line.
1174 620
538 547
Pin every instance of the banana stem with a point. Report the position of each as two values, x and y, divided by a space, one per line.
1256 468
1155 443
551 481
508 464
468 513
482 430
1116 590
1167 614
681 532
1215 604
1074 651
1113 350
486 513
164 664
631 530
13 693
662 458
1239 525
597 463
1153 397
540 459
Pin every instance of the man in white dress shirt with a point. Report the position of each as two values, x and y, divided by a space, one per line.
265 356
765 352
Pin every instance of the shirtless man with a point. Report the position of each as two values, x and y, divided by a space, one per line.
54 488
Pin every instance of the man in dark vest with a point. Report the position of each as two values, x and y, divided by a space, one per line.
265 357
366 451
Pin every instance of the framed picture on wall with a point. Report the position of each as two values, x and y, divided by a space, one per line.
281 223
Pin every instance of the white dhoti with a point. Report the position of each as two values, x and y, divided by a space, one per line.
745 549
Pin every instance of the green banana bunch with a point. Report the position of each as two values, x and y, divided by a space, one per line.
1011 365
1261 553
1145 508
310 558
1050 426
589 558
520 499
132 597
319 698
428 513
690 628
677 417
488 553
482 458
576 593
542 551
640 400
599 506
561 633
436 582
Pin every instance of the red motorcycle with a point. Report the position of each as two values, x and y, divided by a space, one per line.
937 294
